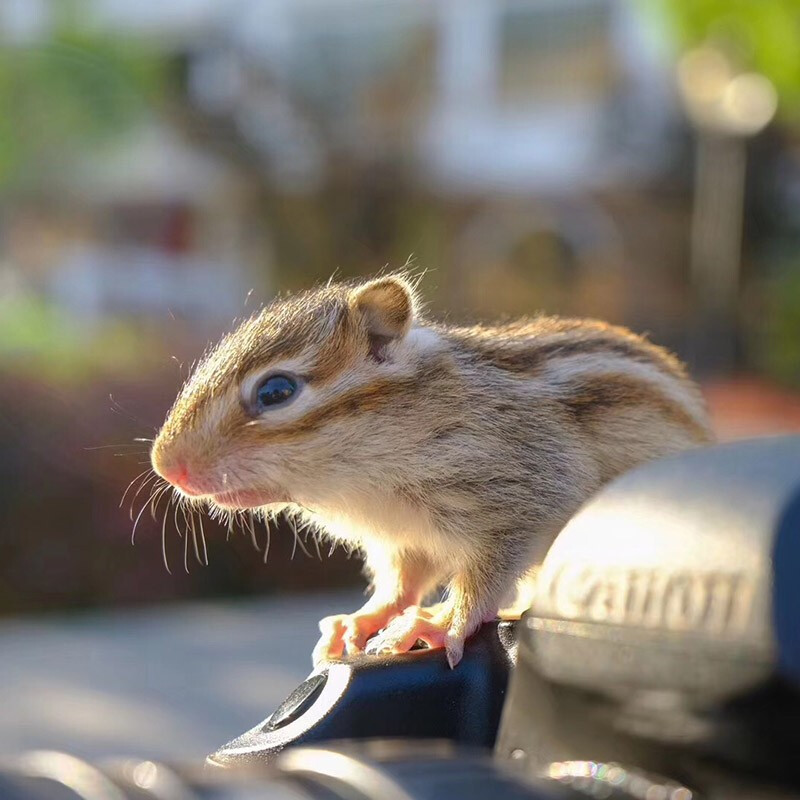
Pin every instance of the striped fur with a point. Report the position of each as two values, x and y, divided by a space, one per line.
451 454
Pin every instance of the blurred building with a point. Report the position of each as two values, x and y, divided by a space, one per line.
169 233
529 96
540 127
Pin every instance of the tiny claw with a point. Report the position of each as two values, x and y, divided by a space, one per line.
331 643
454 650
373 647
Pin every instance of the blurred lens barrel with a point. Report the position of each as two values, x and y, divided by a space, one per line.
368 770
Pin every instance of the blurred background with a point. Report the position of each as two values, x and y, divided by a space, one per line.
168 166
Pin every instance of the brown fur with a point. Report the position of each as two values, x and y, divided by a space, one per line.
525 346
601 393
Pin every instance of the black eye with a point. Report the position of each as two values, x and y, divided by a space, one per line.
274 390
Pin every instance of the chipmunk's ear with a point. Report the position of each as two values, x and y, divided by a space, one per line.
387 307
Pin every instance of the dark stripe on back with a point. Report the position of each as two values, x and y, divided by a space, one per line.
588 397
525 353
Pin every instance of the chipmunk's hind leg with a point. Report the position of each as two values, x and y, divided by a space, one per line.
469 603
399 580
525 591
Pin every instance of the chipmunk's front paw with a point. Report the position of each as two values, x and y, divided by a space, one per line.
435 627
348 633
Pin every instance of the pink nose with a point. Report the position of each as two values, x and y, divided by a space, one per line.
178 476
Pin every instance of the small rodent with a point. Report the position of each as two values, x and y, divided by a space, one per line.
449 456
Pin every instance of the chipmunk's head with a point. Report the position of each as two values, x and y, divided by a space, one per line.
303 398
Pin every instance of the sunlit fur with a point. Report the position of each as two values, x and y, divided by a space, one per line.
448 456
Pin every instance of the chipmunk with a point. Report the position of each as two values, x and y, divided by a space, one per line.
448 456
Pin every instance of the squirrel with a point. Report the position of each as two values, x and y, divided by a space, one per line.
448 456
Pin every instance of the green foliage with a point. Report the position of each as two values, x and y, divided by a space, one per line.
780 327
38 339
762 35
62 96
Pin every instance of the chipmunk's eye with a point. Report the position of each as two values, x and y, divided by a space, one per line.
273 391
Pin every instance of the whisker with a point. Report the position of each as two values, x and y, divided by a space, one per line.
138 517
175 515
151 479
202 537
252 528
269 538
116 407
293 525
115 446
164 536
191 526
290 523
140 475
155 499
186 547
234 519
315 538
156 492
